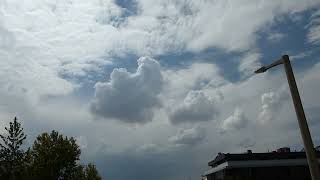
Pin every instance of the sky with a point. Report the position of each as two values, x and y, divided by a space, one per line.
154 89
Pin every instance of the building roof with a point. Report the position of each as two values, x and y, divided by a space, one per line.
257 163
222 157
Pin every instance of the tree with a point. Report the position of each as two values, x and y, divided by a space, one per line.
52 157
12 157
55 157
89 172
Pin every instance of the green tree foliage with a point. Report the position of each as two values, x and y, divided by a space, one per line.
54 156
88 172
12 157
91 173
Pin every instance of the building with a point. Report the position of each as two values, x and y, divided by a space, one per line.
277 165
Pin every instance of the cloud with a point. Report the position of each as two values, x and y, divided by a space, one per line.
236 121
184 94
314 28
23 72
271 102
20 76
199 34
249 63
276 36
308 85
49 41
196 107
82 142
129 97
155 149
192 77
302 55
247 143
45 45
190 136
148 148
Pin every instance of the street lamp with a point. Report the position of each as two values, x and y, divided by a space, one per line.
304 129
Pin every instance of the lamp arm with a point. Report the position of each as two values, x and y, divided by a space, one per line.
276 63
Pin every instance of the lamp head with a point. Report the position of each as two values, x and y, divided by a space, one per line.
261 70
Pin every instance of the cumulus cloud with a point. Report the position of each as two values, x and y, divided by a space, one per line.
185 96
190 136
129 97
44 45
196 107
271 102
236 121
51 40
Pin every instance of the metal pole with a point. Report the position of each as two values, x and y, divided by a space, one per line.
304 129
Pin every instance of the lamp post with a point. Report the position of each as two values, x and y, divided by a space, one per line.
304 129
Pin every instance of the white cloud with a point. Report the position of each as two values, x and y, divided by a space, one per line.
21 76
82 142
184 24
184 96
196 107
189 19
43 41
236 121
249 63
276 36
193 77
130 97
46 39
302 55
271 102
314 28
308 86
190 136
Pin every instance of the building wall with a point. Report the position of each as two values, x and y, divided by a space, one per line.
263 173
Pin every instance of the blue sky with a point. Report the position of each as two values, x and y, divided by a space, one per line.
155 89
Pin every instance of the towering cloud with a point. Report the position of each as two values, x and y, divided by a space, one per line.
129 97
196 107
271 102
236 121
